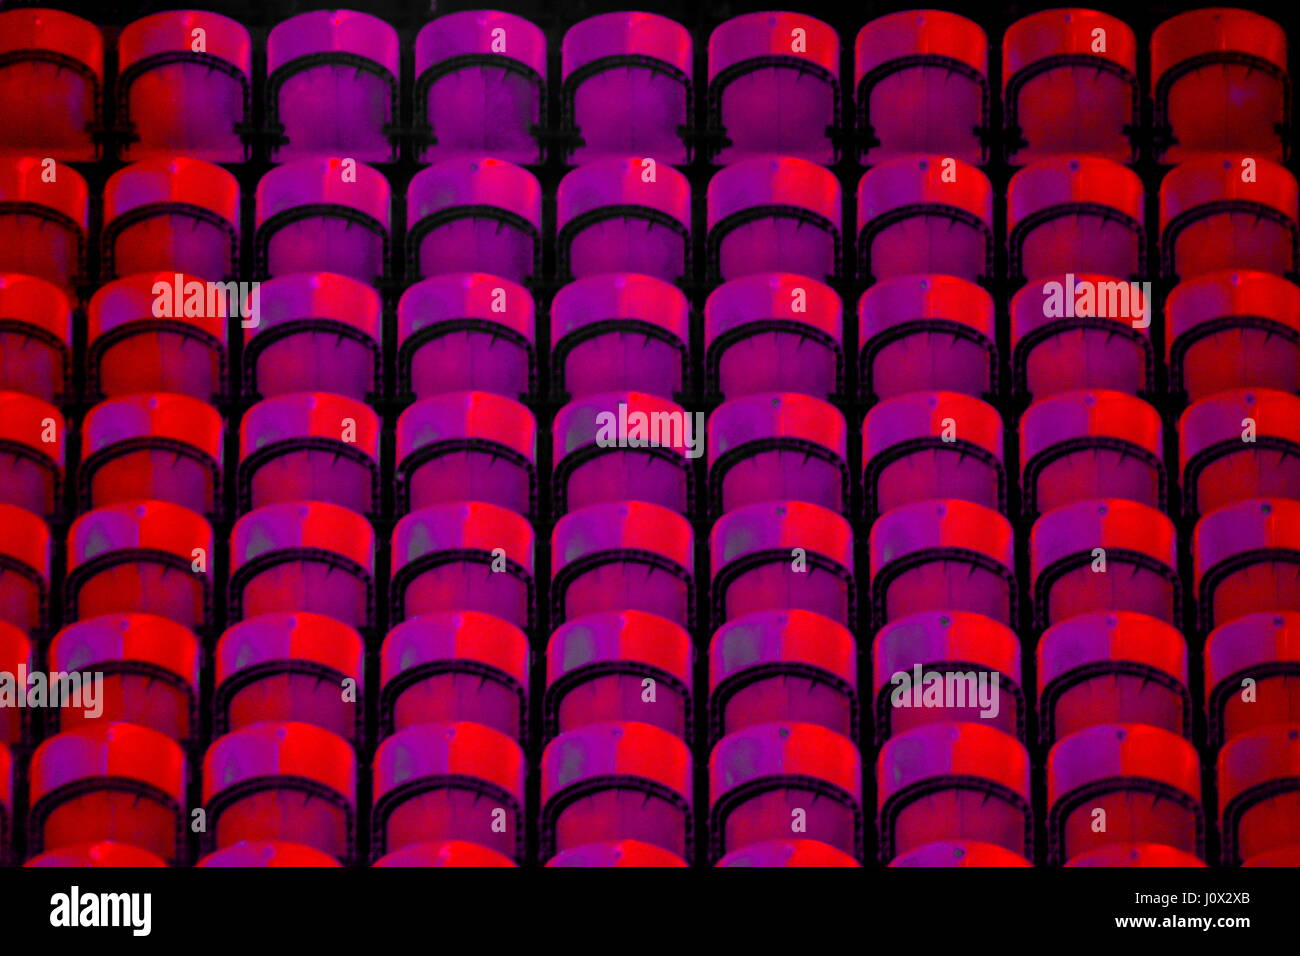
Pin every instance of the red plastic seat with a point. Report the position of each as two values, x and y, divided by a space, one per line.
35 337
31 454
474 215
290 667
774 332
1259 792
1286 856
925 214
1252 674
619 666
15 659
1137 854
103 853
1112 667
303 556
1246 557
922 85
925 333
448 781
944 554
463 555
6 803
960 853
616 853
25 569
445 853
922 445
1070 86
161 446
331 86
459 446
788 852
618 332
627 87
480 87
44 220
260 853
789 665
184 86
455 665
281 780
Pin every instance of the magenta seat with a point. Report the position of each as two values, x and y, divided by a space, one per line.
1252 674
616 853
788 852
44 225
32 455
260 853
959 853
25 569
51 84
1259 792
103 853
1246 557
445 853
35 337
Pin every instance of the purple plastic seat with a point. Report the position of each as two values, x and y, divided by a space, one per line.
1246 558
959 853
32 456
774 88
778 555
925 333
44 224
455 665
774 214
1252 674
480 87
331 86
263 853
777 445
616 853
318 332
624 215
1259 792
474 215
924 214
788 852
35 337
16 723
184 86
445 853
619 332
462 446
464 555
466 332
51 84
25 569
942 554
774 332
1136 854
623 556
325 213
627 87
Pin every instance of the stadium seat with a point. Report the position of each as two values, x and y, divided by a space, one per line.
7 836
480 87
25 569
318 332
148 556
925 333
150 669
459 446
953 782
1090 444
104 853
16 723
156 445
922 86
1070 86
627 87
171 214
774 332
925 214
184 85
774 88
619 666
1104 554
466 332
325 214
1228 212
32 455
1252 674
774 214
281 780
463 555
309 446
1219 81
1123 783
1259 792
922 445
1246 558
259 853
35 337
960 853
623 556
455 665
107 781
1230 330
947 667
778 445
788 852
618 332
1286 856
1076 214
1243 443
474 215
776 555
44 219
624 445
1112 667
332 80
445 853
616 853
1136 854
131 350
51 84
290 667
303 556
944 554
787 665
616 781
448 781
